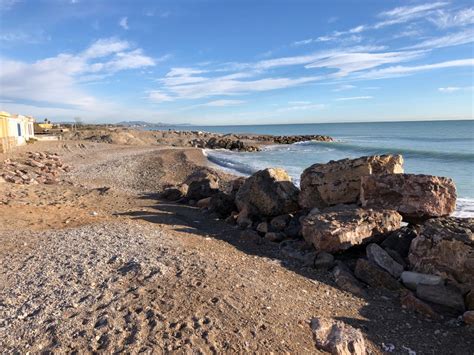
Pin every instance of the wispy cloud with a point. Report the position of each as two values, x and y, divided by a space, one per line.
352 98
453 39
344 87
451 89
405 70
404 14
223 103
302 107
445 18
124 23
6 5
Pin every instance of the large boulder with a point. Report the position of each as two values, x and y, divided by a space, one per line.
267 193
338 182
445 247
342 228
415 197
222 204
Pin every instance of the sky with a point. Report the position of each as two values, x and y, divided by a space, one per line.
237 62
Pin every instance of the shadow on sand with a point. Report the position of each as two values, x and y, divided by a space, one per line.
385 322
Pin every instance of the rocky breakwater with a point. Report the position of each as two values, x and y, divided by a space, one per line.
248 143
365 222
36 168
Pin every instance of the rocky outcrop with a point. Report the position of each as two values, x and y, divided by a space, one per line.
303 138
415 197
445 247
337 338
338 182
345 227
267 193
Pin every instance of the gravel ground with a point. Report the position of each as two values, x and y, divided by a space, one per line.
145 276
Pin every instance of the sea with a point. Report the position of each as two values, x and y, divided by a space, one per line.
443 148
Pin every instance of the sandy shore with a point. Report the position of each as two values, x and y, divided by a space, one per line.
99 263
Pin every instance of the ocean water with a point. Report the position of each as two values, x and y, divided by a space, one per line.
444 148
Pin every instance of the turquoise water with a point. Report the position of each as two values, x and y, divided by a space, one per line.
444 148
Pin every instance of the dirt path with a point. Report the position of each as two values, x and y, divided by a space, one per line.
141 275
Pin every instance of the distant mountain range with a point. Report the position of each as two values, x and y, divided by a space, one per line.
148 124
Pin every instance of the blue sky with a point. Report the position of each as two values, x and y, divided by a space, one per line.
237 62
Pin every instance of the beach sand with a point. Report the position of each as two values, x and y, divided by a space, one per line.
99 263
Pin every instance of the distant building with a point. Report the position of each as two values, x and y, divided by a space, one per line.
15 130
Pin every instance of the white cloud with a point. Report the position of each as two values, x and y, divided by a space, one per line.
223 103
453 39
404 70
352 98
56 80
404 14
451 89
347 63
124 23
302 107
445 19
344 87
158 96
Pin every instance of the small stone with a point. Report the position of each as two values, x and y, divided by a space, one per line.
279 223
324 261
412 279
262 227
337 338
275 236
468 317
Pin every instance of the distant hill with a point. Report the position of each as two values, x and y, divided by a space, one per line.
147 124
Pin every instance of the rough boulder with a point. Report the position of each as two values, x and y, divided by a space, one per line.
267 193
343 228
415 197
445 247
338 182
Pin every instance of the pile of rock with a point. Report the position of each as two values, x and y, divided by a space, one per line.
301 138
344 206
223 143
37 168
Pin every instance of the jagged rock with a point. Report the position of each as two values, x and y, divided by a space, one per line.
400 240
338 182
372 275
337 338
268 193
443 295
410 302
343 228
415 197
445 247
203 187
222 204
468 317
381 258
324 261
279 223
345 280
412 279
235 185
